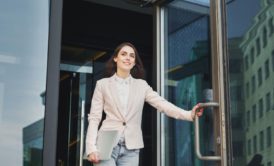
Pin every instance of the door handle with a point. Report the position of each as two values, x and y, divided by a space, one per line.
197 135
82 133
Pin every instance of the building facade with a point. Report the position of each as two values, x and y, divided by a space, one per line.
257 47
194 51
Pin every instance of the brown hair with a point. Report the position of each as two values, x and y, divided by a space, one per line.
137 71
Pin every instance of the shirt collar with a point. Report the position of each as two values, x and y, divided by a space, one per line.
123 80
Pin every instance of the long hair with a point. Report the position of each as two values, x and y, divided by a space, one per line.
137 71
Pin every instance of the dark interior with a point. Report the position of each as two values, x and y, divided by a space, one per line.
90 32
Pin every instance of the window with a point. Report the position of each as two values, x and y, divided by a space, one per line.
247 90
239 146
253 83
268 136
254 144
236 93
249 147
23 70
235 66
258 46
261 108
266 66
254 113
271 27
252 55
248 118
246 62
264 37
268 101
198 31
260 77
261 140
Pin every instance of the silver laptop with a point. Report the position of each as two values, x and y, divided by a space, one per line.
106 140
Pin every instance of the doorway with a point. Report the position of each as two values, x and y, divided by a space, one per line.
88 41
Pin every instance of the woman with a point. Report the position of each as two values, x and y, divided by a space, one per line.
122 97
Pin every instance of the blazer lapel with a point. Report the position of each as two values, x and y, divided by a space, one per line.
114 92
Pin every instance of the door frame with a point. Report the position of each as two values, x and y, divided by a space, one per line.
52 84
220 84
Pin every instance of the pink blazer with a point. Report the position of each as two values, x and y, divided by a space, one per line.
104 98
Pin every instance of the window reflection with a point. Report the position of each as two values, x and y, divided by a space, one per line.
256 51
23 59
187 79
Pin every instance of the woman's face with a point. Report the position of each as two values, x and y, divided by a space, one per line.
125 59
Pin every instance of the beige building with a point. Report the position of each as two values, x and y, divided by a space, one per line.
258 50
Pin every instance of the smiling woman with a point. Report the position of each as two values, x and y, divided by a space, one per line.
125 61
23 64
128 57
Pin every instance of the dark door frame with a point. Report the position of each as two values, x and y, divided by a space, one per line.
52 84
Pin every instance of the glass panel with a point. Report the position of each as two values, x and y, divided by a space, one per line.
250 36
23 64
187 79
79 69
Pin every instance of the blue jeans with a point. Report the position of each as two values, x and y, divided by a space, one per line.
121 156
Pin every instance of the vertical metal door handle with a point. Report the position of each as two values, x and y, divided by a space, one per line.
197 135
82 133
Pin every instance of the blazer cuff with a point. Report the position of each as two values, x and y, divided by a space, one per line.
91 150
187 115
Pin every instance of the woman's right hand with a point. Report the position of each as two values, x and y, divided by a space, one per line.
93 157
197 110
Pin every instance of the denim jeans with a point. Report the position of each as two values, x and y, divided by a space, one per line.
121 156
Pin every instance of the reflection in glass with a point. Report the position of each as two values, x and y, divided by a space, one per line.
255 35
80 67
23 64
187 79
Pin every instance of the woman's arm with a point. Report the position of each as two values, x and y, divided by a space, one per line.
94 118
162 105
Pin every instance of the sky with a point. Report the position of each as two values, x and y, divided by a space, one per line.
240 14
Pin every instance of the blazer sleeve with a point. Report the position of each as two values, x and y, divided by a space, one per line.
162 105
94 118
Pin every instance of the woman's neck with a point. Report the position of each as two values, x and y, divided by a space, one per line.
122 74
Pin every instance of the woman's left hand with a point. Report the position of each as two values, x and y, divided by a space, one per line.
196 110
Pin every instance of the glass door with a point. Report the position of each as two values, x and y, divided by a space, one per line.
191 72
79 69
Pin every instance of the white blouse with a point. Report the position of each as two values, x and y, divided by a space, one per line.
122 86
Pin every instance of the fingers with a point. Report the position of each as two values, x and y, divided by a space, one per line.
198 110
93 157
196 107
